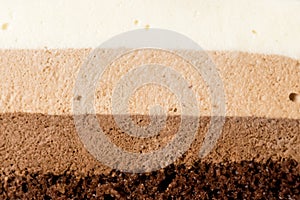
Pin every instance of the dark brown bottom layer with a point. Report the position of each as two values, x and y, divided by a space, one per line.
228 180
42 157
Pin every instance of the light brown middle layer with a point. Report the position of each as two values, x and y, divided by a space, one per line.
42 81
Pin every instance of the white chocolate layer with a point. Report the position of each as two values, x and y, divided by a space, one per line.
261 26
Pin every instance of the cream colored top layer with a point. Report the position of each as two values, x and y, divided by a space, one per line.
262 26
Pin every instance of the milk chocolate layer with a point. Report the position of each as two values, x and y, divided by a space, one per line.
43 81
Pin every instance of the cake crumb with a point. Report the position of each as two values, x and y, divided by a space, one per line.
4 26
254 31
147 27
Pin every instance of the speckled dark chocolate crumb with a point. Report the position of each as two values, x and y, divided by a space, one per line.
245 180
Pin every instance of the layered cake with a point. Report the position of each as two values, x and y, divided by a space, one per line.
224 123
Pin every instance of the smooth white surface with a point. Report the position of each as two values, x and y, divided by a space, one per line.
262 26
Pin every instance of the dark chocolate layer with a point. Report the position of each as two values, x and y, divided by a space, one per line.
43 157
227 180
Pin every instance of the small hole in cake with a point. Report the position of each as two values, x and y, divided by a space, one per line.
294 97
78 98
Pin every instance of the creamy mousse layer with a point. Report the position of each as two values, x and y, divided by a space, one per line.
257 26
